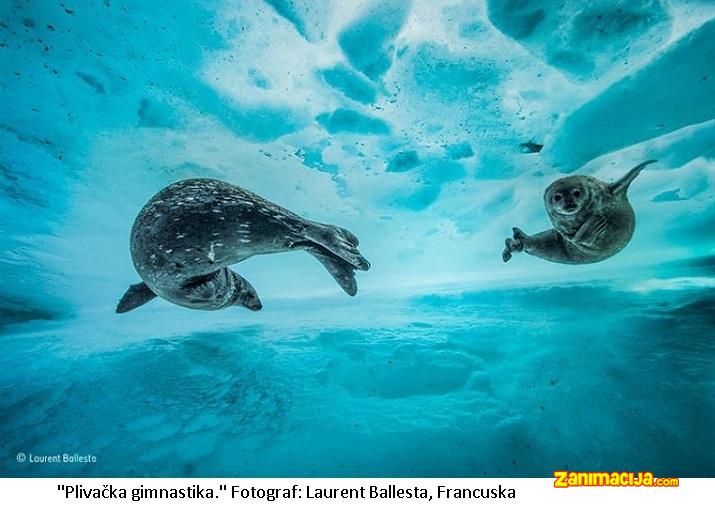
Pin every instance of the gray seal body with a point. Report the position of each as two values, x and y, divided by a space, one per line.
592 220
187 235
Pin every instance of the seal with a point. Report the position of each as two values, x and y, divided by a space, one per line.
186 236
592 220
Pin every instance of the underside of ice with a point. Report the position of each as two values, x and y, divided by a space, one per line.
426 128
675 90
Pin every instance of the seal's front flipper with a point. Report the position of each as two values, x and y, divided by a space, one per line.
549 245
220 289
590 230
515 244
136 296
338 241
621 185
342 271
245 295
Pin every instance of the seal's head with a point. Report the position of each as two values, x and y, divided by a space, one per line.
568 196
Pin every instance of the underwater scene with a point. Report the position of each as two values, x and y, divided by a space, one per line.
387 238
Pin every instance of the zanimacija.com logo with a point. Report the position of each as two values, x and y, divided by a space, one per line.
614 479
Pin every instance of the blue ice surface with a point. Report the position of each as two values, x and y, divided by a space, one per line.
347 120
306 16
403 161
368 43
449 78
313 158
288 10
350 83
432 174
409 124
687 68
458 151
583 41
672 195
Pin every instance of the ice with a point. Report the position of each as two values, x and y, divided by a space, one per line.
673 91
350 83
583 42
368 42
403 161
347 120
156 114
451 78
459 151
313 158
672 195
415 112
308 18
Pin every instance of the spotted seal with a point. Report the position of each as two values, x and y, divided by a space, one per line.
592 220
186 236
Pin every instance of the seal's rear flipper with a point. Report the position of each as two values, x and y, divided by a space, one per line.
219 289
338 241
342 271
592 228
136 296
621 185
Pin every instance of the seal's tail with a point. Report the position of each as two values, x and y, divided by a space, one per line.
340 242
621 185
342 271
336 249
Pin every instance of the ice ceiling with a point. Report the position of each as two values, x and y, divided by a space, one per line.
417 125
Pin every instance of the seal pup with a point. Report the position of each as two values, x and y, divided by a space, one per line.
592 220
186 236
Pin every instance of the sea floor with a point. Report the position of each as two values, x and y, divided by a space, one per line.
515 382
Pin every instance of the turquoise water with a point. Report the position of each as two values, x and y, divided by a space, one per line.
498 383
428 129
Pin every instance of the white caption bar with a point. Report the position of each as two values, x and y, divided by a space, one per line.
235 495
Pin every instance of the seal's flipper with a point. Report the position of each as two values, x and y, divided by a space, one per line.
352 238
513 245
592 228
342 271
338 241
549 245
621 185
136 296
245 294
220 289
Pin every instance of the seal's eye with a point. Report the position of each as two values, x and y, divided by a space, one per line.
576 193
557 197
